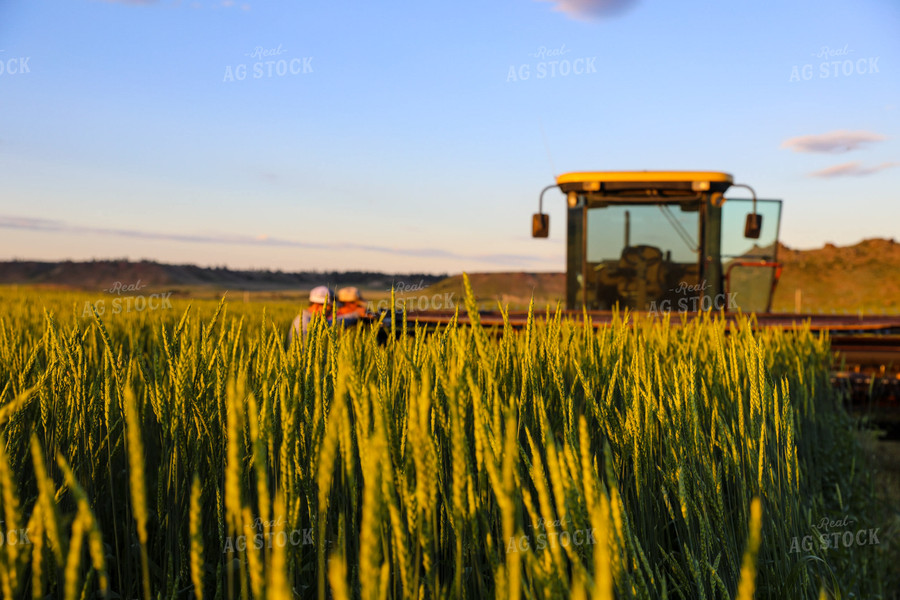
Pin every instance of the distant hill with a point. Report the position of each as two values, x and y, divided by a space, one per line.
96 275
863 277
510 289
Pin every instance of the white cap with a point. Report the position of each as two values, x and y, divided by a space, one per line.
321 295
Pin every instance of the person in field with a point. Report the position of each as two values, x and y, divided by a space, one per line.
351 302
321 302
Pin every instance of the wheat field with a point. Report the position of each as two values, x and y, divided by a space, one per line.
191 453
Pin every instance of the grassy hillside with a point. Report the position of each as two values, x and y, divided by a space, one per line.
850 278
861 278
511 289
864 277
191 279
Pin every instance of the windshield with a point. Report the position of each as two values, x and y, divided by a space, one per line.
639 255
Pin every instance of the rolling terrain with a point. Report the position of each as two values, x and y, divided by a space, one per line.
864 278
833 279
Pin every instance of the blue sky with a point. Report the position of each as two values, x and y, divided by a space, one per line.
406 138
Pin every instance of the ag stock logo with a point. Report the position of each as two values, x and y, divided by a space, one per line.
559 536
834 63
268 63
129 303
693 298
13 65
406 297
10 536
550 64
831 534
258 540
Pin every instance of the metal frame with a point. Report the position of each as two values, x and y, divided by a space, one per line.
707 188
756 263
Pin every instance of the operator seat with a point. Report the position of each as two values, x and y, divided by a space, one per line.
637 278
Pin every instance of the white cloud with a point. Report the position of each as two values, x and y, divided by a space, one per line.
591 9
853 169
57 226
833 142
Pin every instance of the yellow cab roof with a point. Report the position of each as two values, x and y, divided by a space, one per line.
588 181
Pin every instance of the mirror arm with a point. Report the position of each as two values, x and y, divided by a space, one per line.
753 225
752 193
541 197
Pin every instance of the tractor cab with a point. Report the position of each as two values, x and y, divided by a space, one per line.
665 241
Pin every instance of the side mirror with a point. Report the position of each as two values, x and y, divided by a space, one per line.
540 225
753 226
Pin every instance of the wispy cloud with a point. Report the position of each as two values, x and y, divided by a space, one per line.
853 169
175 3
55 226
833 142
591 9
